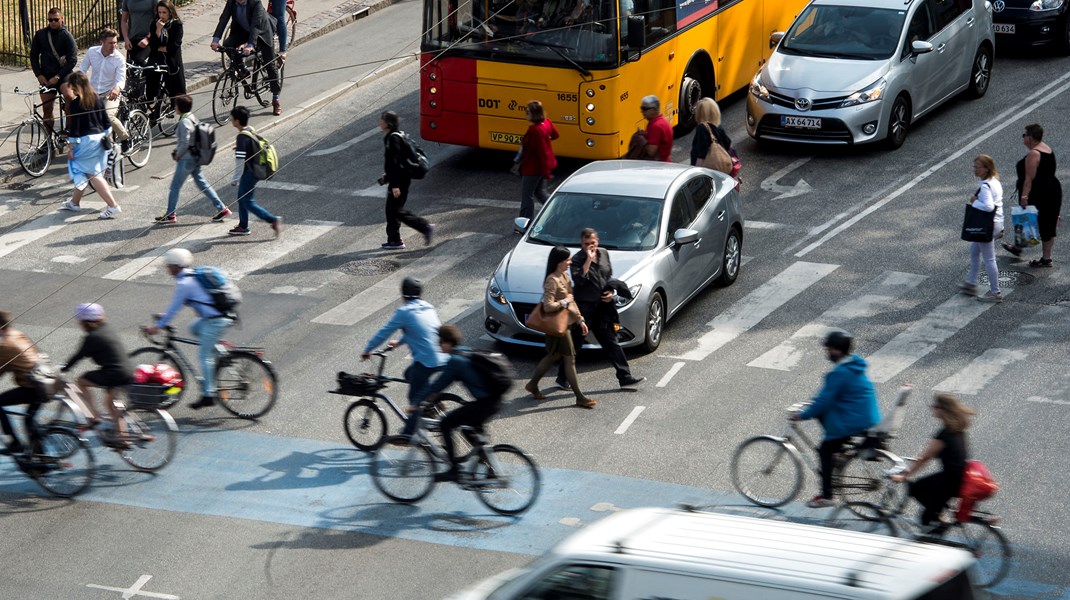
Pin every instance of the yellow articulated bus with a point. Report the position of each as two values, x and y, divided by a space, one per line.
589 62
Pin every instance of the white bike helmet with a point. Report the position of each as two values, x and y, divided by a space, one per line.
179 257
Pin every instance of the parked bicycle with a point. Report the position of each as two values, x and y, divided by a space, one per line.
247 385
247 73
35 143
364 421
57 456
976 532
160 109
147 435
768 469
138 146
503 477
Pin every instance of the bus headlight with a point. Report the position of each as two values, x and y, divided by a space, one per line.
590 107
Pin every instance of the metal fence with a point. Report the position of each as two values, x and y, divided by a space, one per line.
20 19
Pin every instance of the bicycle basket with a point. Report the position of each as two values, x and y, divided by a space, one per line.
352 384
151 394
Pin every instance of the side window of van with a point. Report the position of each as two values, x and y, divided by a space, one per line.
575 582
946 11
920 28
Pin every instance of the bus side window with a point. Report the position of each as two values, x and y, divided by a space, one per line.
660 18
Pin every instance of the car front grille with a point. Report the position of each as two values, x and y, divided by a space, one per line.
818 104
832 130
520 310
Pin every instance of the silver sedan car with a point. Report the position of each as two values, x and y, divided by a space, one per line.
861 71
670 230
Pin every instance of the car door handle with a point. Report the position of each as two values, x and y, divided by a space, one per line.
941 47
969 22
720 216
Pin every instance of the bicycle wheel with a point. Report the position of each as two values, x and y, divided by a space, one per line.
766 472
224 97
862 478
152 438
33 148
403 471
61 463
156 356
988 546
137 125
259 84
291 24
246 385
860 516
507 481
365 425
167 122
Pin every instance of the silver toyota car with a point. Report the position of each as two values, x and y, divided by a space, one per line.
861 71
670 230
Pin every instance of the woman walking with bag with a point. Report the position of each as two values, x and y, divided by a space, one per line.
87 127
708 131
989 199
537 160
1038 186
556 297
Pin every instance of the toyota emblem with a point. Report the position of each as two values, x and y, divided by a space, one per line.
802 104
999 5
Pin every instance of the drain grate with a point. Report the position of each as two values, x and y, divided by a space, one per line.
1010 279
373 266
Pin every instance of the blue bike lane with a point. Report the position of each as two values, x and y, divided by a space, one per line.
311 483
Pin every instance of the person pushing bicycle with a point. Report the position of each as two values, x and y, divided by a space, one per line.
846 407
19 356
102 346
473 414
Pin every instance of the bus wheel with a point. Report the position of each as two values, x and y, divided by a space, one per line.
690 94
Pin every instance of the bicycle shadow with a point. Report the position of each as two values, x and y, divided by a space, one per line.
304 470
21 495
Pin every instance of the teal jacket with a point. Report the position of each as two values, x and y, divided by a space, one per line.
847 403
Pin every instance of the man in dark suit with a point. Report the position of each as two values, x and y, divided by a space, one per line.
253 29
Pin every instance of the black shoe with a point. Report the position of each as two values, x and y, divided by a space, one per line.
629 381
564 385
204 402
450 475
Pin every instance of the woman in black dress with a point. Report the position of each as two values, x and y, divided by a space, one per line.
949 445
165 40
1038 186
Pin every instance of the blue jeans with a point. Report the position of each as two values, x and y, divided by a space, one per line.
247 201
418 376
278 10
186 166
209 332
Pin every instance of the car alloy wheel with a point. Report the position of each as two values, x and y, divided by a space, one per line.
981 73
898 123
733 249
655 322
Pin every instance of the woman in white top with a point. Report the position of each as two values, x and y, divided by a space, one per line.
989 197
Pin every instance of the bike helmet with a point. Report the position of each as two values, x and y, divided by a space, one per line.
89 312
412 288
839 340
179 257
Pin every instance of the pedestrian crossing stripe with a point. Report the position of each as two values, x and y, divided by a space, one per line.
44 225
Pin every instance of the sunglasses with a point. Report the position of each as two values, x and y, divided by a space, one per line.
50 20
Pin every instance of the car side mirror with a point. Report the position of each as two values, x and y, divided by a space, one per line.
685 236
636 25
919 47
775 38
520 224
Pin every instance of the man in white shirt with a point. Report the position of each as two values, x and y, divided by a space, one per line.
106 68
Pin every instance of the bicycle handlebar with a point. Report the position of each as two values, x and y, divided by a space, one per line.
154 68
41 90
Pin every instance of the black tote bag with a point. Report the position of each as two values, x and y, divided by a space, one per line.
978 225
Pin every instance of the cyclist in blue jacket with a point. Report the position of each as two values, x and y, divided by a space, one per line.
846 407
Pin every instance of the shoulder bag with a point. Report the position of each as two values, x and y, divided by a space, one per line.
978 225
717 158
555 323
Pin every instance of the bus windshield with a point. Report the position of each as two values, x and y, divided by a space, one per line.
565 33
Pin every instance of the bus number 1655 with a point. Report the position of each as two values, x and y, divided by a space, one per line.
568 97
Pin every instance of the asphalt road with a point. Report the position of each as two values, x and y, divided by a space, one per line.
282 508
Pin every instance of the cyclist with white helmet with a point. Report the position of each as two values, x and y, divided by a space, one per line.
102 346
210 325
846 407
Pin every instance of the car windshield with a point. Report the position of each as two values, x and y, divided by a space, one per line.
845 32
623 222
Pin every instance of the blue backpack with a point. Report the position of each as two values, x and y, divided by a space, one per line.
225 295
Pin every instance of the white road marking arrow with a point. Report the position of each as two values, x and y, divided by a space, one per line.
785 191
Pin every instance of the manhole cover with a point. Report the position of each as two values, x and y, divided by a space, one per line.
1010 279
375 266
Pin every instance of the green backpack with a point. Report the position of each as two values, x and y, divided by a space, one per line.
266 160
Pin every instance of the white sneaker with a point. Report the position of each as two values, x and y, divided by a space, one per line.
992 298
69 204
110 212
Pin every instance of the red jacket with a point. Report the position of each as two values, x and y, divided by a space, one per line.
538 157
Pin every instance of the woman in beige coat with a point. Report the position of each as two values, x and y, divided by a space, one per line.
557 296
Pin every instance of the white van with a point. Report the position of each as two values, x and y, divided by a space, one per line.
667 554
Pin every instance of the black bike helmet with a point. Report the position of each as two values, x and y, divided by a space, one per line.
412 288
839 340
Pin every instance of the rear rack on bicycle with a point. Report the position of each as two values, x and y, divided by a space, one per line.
151 394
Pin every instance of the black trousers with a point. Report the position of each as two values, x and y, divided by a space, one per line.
933 493
474 414
21 395
396 213
827 452
606 335
267 57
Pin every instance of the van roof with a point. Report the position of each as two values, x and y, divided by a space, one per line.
780 553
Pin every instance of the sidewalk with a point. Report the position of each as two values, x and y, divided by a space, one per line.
314 18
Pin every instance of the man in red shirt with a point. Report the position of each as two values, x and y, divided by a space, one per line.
658 130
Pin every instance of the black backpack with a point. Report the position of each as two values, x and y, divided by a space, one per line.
413 159
494 369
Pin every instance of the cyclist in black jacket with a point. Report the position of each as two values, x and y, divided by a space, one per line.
53 55
102 346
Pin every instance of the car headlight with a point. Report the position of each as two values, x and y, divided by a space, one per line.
870 94
1046 4
758 89
620 301
495 291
